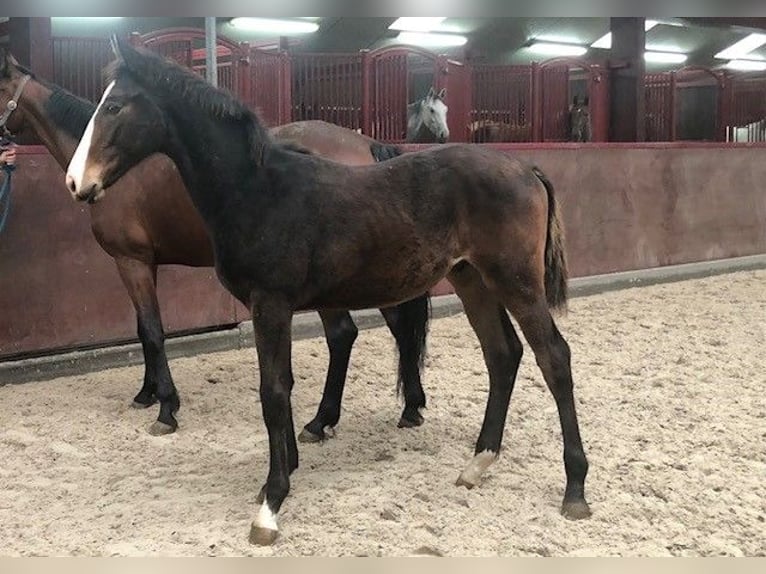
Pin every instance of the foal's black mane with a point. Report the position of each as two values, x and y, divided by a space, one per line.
173 81
69 112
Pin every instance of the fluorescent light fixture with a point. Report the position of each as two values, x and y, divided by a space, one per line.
553 49
605 41
417 24
275 26
747 65
87 18
665 57
743 47
428 40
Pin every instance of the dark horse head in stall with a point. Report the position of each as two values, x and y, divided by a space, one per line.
579 120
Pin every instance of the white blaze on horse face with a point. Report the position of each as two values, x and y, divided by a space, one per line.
440 109
76 169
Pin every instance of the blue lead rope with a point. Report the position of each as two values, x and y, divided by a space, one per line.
5 195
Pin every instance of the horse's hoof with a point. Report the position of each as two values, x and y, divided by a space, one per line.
141 404
464 482
308 436
472 473
261 536
575 509
159 429
405 423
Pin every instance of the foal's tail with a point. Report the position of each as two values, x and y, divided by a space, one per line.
382 152
555 257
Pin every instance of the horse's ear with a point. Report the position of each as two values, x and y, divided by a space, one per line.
430 93
114 42
442 93
585 101
575 100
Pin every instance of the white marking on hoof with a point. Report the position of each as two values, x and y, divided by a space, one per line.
266 518
471 475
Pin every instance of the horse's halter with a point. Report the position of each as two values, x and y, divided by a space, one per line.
12 105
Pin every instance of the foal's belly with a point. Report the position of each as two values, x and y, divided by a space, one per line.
383 286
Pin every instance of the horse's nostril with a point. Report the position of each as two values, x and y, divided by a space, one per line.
70 184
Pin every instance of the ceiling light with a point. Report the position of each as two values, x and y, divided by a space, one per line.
747 65
87 18
743 47
605 41
274 26
554 49
413 24
431 40
665 57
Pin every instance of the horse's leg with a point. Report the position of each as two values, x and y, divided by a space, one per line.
272 317
340 332
408 323
140 279
523 293
502 352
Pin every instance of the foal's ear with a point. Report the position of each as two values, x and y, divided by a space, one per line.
442 93
430 93
119 46
114 42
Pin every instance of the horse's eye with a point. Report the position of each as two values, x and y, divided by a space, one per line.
111 108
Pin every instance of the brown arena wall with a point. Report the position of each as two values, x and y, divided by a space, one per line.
625 207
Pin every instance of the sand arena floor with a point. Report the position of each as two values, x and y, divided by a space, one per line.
669 383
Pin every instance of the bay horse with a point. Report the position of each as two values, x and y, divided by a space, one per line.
296 231
150 221
490 131
427 118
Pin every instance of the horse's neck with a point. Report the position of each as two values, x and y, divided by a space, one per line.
59 143
414 121
215 161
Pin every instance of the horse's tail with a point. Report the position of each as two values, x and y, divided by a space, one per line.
411 330
556 272
413 315
382 152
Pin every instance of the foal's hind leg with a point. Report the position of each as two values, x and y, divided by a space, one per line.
525 298
408 323
140 279
340 332
502 352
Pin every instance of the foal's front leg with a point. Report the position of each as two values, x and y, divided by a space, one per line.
272 321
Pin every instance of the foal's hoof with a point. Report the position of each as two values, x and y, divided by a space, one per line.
142 403
159 429
469 484
310 436
261 536
575 509
411 421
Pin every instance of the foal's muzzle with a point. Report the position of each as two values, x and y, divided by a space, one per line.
89 193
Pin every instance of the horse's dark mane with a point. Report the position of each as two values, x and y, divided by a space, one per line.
69 112
175 82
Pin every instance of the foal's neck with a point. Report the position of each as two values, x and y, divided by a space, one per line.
216 160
